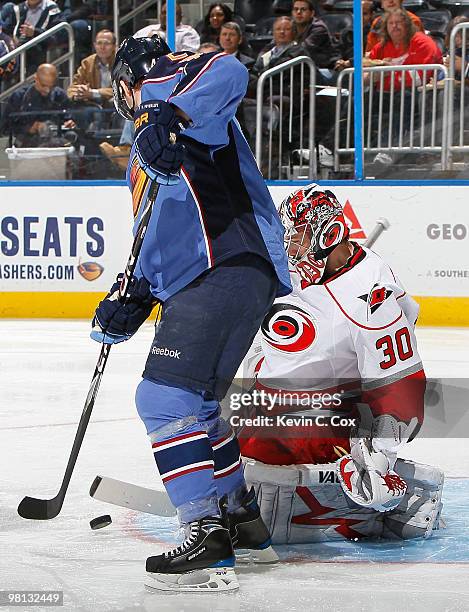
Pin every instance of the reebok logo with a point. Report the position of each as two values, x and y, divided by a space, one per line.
166 352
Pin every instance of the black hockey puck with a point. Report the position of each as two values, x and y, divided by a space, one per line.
100 521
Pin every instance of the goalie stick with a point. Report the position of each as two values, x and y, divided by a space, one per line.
151 501
42 509
382 224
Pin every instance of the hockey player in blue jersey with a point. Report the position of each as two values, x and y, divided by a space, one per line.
213 254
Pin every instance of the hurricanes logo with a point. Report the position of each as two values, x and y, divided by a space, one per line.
332 235
377 296
90 270
288 328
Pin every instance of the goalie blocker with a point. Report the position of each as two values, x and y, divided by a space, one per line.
306 503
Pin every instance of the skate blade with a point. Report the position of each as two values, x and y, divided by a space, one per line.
210 580
254 555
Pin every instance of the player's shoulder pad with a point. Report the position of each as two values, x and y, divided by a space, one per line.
368 294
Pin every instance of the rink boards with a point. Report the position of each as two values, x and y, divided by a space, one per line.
62 246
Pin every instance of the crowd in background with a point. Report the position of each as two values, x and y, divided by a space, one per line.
42 113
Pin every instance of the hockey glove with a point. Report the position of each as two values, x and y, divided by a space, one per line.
116 321
156 129
368 480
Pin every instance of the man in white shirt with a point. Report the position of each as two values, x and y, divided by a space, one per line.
187 38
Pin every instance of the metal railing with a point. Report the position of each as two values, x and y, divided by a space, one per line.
37 40
458 118
140 7
279 106
405 110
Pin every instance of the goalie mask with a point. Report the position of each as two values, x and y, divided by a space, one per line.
134 59
314 223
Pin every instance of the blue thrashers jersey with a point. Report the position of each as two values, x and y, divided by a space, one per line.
221 207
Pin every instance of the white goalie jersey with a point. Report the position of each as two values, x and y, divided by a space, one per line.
350 337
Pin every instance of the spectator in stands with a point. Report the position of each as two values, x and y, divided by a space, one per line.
91 84
43 96
6 45
231 38
77 13
347 36
460 53
313 34
187 39
29 18
283 47
403 45
208 47
217 15
377 30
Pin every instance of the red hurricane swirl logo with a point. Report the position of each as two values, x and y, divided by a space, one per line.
288 328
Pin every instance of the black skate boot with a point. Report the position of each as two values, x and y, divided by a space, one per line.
203 562
249 533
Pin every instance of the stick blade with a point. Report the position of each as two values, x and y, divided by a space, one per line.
39 509
132 497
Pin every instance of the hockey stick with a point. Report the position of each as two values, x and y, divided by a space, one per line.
42 509
382 224
151 501
132 497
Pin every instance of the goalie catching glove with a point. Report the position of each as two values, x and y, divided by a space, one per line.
368 480
156 129
367 474
116 321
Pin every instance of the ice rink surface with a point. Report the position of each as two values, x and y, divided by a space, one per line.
45 371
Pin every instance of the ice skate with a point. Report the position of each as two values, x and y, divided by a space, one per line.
203 562
249 534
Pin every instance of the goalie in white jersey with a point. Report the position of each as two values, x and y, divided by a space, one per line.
339 356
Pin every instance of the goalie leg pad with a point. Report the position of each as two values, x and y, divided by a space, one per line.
306 504
303 504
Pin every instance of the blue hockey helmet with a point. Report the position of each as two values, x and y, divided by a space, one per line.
134 59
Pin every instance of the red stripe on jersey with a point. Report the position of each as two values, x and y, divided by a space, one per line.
177 438
203 223
402 399
188 471
356 322
161 79
222 474
258 366
227 437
